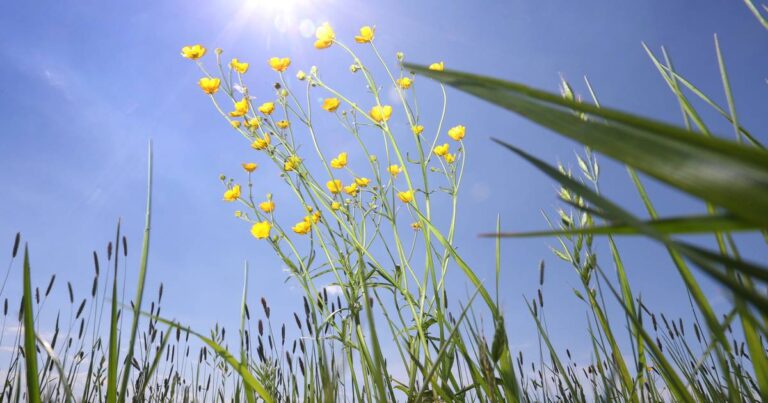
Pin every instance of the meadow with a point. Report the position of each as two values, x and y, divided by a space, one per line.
383 234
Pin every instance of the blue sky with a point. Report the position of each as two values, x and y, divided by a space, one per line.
86 85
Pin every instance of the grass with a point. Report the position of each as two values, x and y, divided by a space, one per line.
379 240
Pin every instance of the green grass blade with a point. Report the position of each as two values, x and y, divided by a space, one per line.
142 279
757 13
112 362
697 224
722 172
59 367
30 350
703 259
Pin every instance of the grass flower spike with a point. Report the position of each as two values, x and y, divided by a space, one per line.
193 52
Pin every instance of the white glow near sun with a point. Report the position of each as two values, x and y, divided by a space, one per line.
282 14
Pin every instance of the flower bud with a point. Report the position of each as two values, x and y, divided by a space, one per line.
354 68
400 56
301 75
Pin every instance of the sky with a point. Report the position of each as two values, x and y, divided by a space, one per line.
86 85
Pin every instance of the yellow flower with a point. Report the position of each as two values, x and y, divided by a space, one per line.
394 170
366 35
457 132
340 161
362 182
193 52
235 123
209 85
335 205
267 206
404 82
302 228
439 66
260 144
250 166
267 108
239 66
351 189
301 75
450 158
292 163
442 150
405 197
232 193
241 108
314 218
325 36
331 104
283 124
416 226
418 129
334 186
260 230
279 64
253 123
380 113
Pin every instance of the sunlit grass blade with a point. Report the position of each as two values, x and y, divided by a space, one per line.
141 281
699 224
723 172
751 5
59 367
30 349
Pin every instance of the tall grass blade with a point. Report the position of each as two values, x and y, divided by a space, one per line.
698 224
142 279
30 349
114 354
